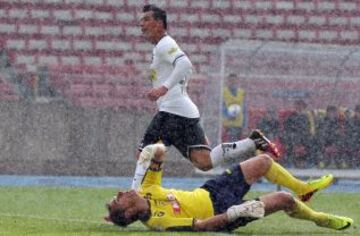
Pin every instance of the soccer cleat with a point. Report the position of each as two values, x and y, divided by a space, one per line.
263 143
253 209
336 222
316 185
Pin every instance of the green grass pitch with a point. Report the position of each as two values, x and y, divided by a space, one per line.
54 211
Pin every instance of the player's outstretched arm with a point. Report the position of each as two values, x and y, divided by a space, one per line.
151 157
215 223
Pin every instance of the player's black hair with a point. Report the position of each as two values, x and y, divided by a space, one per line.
159 14
117 217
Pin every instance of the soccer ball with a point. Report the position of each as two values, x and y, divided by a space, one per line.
234 110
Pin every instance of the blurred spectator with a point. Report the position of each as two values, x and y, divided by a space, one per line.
18 79
345 116
270 124
298 137
132 73
42 90
43 85
233 109
331 139
353 138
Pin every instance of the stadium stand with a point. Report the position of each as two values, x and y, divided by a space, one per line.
85 35
102 85
85 44
81 32
110 86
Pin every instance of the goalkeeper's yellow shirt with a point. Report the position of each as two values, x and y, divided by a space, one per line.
173 209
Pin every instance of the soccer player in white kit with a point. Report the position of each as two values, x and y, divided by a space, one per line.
178 119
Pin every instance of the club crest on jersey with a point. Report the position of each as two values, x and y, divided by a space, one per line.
153 75
172 51
158 214
174 203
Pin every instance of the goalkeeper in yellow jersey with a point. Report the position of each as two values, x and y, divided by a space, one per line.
218 205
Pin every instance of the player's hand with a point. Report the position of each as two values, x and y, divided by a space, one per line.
155 93
145 156
159 151
153 151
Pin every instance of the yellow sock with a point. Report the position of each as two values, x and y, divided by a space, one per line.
279 175
302 211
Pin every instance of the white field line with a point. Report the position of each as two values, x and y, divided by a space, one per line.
53 218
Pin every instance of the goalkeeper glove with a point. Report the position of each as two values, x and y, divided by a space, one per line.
148 153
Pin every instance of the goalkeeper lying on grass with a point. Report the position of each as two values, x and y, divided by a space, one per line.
218 205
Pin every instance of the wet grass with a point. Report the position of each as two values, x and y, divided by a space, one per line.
54 211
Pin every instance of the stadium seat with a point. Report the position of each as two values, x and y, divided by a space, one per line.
80 90
102 90
111 85
6 91
202 25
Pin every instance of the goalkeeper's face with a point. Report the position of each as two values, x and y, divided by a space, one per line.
124 208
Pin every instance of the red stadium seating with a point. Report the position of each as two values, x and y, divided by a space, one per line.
62 33
6 91
100 86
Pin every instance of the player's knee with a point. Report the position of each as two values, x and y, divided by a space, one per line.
203 166
263 162
266 159
201 160
286 199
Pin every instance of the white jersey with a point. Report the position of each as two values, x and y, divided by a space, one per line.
176 100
